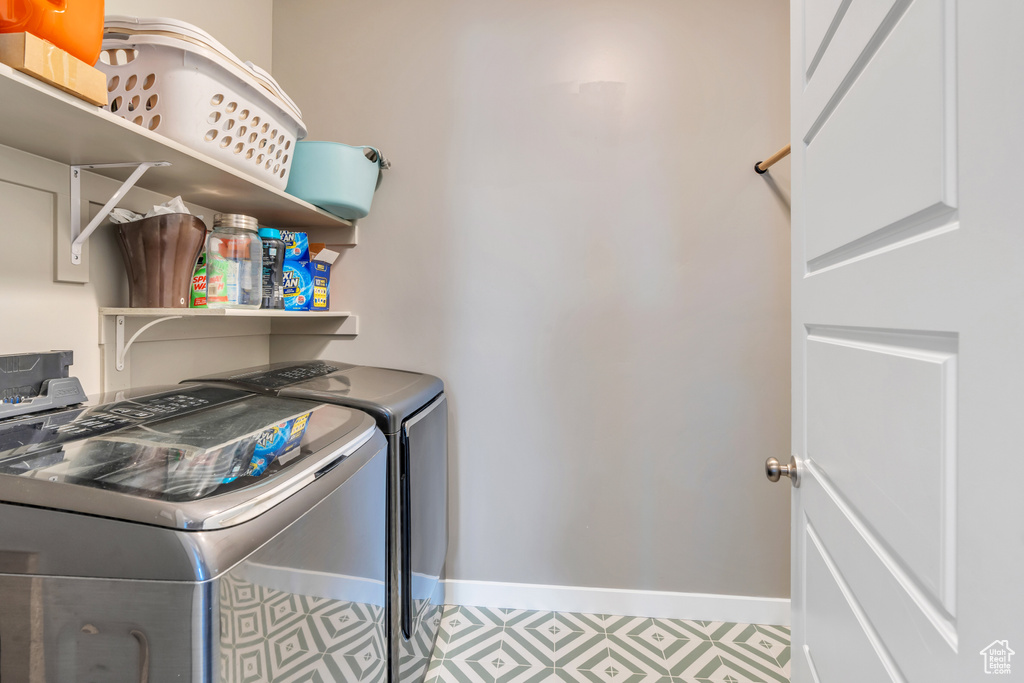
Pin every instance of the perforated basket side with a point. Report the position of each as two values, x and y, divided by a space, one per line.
191 100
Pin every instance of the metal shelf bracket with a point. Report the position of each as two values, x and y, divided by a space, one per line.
121 348
80 235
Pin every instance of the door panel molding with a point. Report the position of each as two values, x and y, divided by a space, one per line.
836 513
937 219
857 622
882 164
817 41
842 60
901 473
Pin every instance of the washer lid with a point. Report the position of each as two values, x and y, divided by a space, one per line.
391 396
188 457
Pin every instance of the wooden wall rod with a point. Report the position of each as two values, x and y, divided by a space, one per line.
763 166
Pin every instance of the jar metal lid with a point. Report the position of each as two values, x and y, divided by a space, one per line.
234 220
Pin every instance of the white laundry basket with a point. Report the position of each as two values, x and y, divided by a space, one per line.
177 80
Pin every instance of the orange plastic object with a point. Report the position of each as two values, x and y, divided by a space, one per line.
75 26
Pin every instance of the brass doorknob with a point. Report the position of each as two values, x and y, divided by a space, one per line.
775 470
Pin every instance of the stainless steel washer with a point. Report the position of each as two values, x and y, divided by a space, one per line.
412 411
194 533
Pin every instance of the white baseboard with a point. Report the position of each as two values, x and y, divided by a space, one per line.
640 603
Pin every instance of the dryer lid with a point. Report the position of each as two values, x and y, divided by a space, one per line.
188 457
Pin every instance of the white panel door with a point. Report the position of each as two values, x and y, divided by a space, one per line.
908 340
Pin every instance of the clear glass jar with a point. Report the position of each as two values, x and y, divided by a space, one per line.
234 263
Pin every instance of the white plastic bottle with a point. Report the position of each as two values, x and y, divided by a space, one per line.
234 262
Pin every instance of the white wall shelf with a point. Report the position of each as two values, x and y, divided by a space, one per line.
120 328
222 312
41 120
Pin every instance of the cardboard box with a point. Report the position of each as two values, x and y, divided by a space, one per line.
307 284
320 270
47 62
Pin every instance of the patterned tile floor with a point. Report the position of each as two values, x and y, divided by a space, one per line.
482 645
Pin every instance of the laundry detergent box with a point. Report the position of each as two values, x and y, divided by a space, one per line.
296 245
298 286
277 441
320 273
307 284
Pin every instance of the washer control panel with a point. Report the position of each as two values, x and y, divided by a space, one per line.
46 430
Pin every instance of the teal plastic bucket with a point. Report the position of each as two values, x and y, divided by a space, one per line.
338 178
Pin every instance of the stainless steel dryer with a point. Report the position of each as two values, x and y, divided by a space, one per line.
197 533
412 411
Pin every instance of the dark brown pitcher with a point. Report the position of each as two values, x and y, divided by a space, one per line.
159 254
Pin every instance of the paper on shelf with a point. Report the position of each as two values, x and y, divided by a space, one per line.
175 205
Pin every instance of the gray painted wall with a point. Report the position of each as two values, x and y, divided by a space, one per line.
573 238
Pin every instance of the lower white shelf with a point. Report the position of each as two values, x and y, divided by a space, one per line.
221 312
125 326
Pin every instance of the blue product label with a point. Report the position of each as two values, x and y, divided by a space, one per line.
298 286
271 440
275 441
296 245
321 276
258 466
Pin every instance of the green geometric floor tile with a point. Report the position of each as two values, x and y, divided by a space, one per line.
586 658
511 616
535 675
433 669
579 649
491 667
659 639
760 642
522 618
780 632
510 666
517 674
464 630
623 657
577 621
699 630
682 661
720 669
472 642
636 650
617 624
715 630
456 671
488 615
756 664
480 645
535 646
481 648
